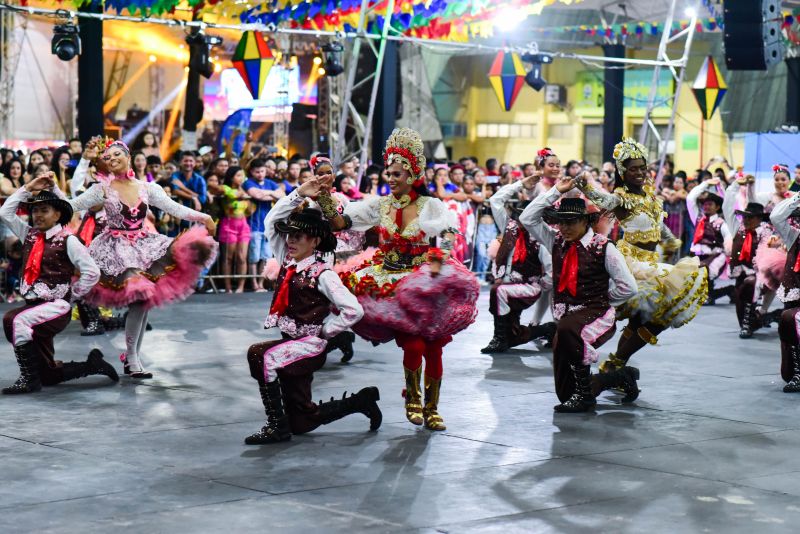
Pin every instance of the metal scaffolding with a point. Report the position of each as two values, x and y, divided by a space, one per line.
11 52
677 69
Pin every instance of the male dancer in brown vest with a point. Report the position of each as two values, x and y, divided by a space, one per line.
301 308
590 276
51 255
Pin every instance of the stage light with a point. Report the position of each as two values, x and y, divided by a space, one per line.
333 58
321 71
200 46
690 12
509 18
152 58
217 67
317 60
534 77
66 43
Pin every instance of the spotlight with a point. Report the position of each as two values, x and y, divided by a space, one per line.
534 77
690 12
333 58
66 43
199 57
321 71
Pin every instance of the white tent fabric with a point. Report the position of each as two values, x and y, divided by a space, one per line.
640 10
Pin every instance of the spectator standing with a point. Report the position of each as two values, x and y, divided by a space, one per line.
262 191
193 194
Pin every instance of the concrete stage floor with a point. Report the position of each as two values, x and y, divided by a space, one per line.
712 445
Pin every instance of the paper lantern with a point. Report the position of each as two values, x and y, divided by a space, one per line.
507 76
709 88
253 59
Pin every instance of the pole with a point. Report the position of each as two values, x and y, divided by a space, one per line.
90 75
793 91
613 100
193 106
702 139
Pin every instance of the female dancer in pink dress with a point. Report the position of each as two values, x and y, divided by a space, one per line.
411 291
140 269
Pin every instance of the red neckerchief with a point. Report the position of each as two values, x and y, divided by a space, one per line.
87 232
520 249
33 267
398 213
569 271
281 301
700 230
746 254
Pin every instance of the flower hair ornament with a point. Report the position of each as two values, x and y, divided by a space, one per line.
628 149
319 159
542 156
109 144
780 167
405 147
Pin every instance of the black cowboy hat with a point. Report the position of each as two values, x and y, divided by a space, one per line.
753 209
310 222
716 199
48 197
569 209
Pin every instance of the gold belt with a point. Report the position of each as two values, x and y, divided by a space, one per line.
632 251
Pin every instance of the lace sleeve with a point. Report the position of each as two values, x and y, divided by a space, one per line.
91 197
602 199
499 200
533 221
435 219
780 220
158 198
365 213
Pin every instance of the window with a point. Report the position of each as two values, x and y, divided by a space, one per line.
559 131
505 130
593 144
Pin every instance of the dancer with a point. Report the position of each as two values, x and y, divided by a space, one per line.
51 255
522 270
301 309
752 233
789 293
590 277
411 292
668 295
140 269
711 237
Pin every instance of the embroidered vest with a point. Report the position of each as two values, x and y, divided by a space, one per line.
712 235
593 278
307 307
56 271
525 264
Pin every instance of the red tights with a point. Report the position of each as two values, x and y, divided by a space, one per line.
415 347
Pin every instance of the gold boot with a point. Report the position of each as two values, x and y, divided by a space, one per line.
413 396
433 421
611 364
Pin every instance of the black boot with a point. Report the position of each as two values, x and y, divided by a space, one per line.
582 400
94 365
546 331
748 321
277 427
499 342
344 342
793 386
771 317
364 402
115 322
90 318
712 299
623 379
28 359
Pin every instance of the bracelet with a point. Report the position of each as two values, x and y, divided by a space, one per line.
328 205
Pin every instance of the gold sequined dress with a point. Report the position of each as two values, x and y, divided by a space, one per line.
668 295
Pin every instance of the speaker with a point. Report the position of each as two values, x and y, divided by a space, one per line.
752 34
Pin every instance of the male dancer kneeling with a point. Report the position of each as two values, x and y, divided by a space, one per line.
51 255
590 276
301 309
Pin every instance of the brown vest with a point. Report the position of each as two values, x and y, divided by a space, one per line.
56 267
593 278
307 307
712 235
791 279
527 268
738 241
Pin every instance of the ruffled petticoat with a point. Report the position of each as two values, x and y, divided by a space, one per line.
147 267
412 301
668 295
770 263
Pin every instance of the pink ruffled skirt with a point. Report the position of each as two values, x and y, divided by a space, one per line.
152 268
414 302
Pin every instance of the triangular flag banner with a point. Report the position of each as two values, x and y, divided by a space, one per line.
709 87
253 60
507 76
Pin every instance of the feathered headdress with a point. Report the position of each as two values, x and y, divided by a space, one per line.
405 146
628 149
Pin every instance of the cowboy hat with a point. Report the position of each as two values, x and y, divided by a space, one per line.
310 222
47 197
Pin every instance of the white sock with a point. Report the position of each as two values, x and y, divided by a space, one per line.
133 332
